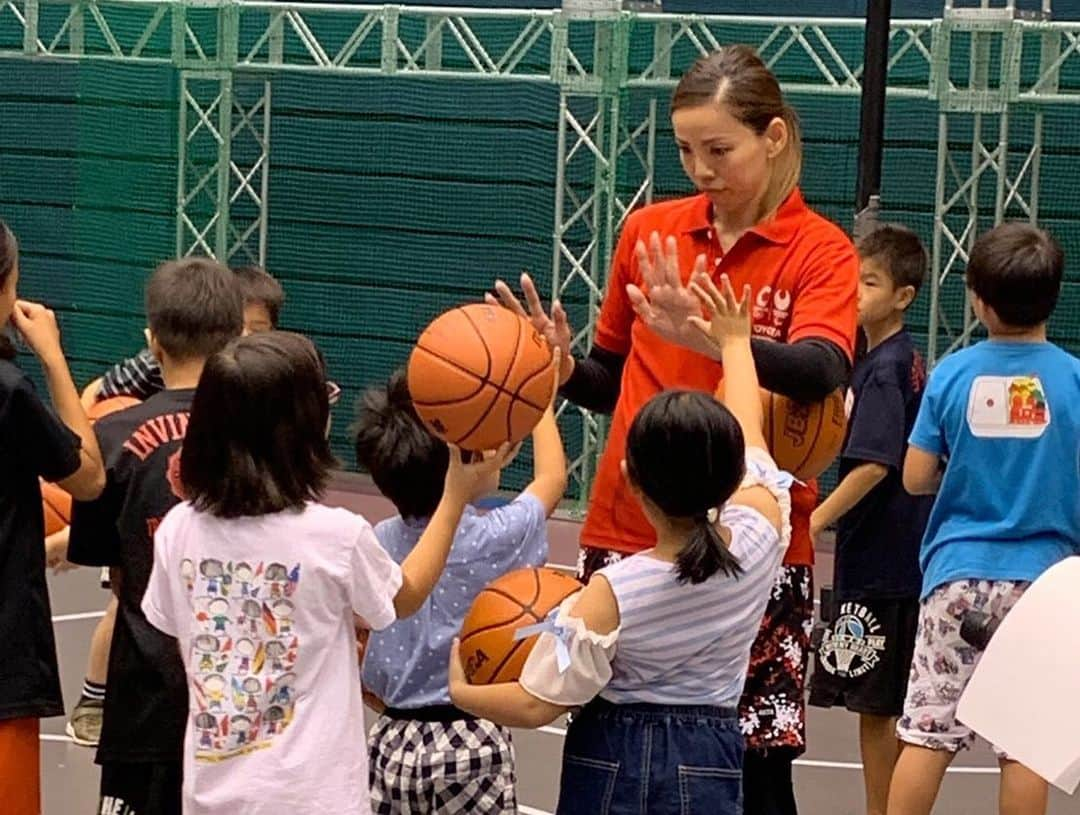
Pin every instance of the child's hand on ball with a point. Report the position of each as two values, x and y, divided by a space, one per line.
456 669
466 480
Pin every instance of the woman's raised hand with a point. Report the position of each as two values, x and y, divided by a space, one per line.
664 304
553 327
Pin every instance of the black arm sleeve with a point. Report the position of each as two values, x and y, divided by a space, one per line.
806 371
594 384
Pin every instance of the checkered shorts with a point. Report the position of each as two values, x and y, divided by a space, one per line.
464 766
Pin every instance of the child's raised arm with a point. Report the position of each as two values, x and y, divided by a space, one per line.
37 325
421 569
729 330
549 458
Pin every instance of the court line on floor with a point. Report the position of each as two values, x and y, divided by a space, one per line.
82 615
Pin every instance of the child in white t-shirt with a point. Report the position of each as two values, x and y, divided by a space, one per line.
261 586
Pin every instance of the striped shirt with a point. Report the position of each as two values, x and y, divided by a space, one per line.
688 644
138 376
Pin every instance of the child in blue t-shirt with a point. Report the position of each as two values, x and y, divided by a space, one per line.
865 657
425 754
1004 417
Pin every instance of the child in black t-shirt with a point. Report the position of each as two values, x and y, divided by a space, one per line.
193 308
865 656
33 444
140 377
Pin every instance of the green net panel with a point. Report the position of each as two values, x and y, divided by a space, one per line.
386 163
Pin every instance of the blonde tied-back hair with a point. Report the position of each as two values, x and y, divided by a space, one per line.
735 77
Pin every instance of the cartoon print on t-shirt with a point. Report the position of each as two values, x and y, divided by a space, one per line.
1008 407
214 572
244 652
250 617
283 611
210 692
187 573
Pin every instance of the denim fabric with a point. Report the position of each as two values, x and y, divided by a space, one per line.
641 759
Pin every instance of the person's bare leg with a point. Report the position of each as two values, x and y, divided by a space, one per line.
84 724
917 779
1022 791
879 748
97 666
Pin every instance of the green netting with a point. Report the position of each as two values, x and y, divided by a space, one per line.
392 198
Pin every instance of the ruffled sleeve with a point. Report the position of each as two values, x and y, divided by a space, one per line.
762 471
569 664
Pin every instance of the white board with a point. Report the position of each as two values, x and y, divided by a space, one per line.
1024 696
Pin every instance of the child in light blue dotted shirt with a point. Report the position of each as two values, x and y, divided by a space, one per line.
425 754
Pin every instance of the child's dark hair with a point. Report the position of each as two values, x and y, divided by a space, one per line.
9 255
406 462
1016 269
258 286
899 252
9 252
256 442
193 307
685 452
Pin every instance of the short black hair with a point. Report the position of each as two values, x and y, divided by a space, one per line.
899 252
407 463
9 252
256 442
258 286
1016 269
193 307
685 451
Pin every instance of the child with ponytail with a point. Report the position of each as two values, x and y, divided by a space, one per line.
656 646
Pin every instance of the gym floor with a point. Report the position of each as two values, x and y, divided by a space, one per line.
828 778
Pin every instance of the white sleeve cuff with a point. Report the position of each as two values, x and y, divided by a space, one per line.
585 658
762 471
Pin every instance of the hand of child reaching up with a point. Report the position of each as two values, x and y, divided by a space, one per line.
464 480
38 328
729 317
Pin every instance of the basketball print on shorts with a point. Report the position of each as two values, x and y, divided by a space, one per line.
1008 407
243 653
854 644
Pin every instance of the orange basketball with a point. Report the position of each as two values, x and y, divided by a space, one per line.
99 410
804 439
480 376
56 506
517 599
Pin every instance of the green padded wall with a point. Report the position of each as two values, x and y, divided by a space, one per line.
390 199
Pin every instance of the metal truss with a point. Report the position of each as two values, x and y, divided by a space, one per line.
608 66
981 180
817 55
223 167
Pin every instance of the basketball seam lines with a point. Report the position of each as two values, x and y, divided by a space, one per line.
499 389
514 396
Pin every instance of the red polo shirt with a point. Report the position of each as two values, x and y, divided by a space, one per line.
803 273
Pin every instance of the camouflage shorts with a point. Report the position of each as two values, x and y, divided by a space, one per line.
943 662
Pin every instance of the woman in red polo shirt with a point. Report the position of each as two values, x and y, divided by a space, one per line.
740 145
